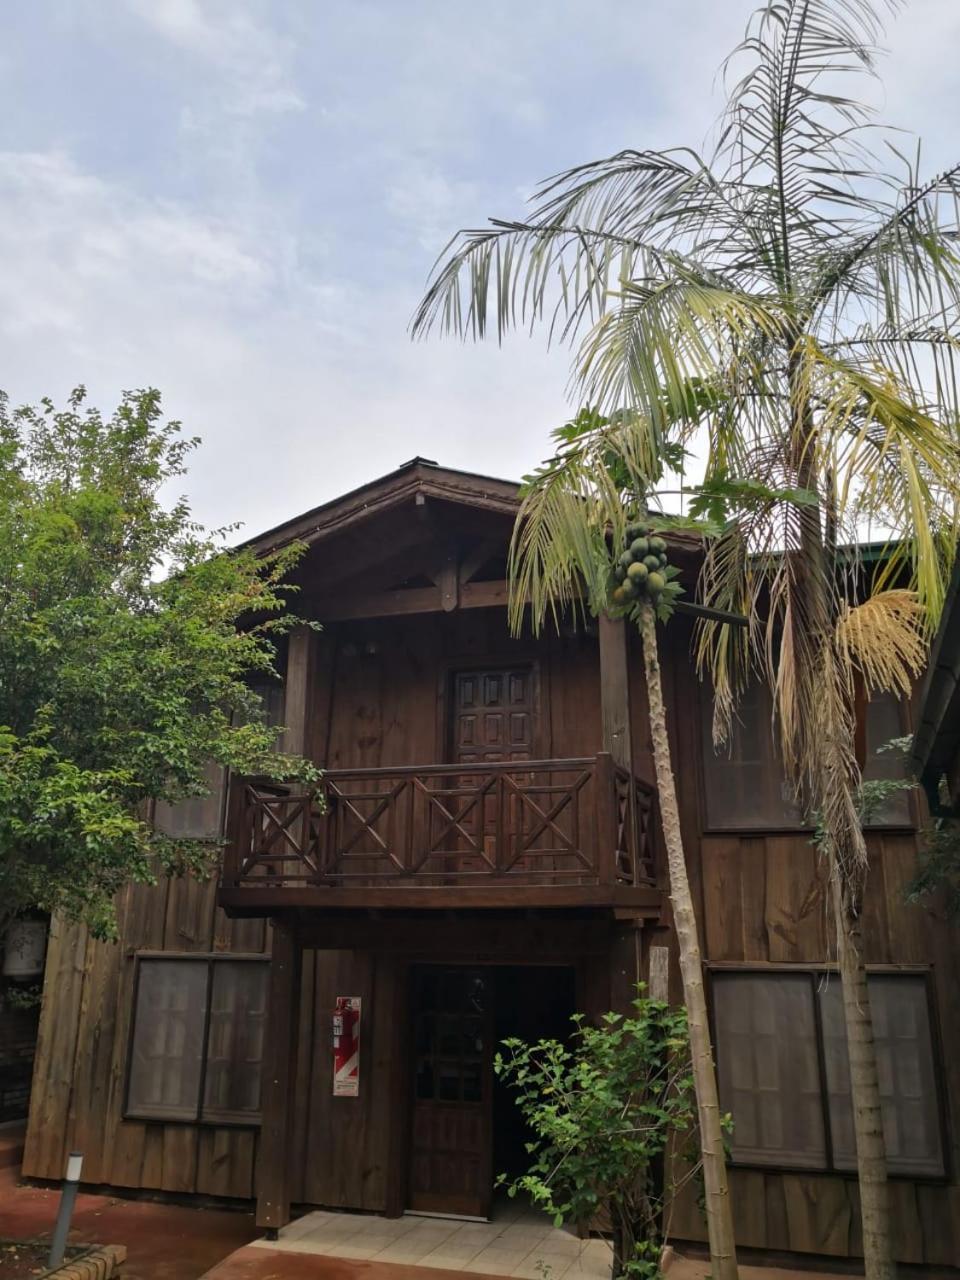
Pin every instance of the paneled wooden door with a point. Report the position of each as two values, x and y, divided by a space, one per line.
451 1148
493 719
493 715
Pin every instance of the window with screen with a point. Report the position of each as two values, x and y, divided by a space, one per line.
197 1039
769 1074
201 817
784 1075
195 817
744 784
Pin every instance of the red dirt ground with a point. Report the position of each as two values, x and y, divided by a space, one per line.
164 1241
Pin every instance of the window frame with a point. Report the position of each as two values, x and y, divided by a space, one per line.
815 972
210 958
709 828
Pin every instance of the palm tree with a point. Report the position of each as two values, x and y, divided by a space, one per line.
578 511
790 303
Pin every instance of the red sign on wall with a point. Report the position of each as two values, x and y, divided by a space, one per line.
346 1047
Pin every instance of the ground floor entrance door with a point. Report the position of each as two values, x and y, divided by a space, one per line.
451 1140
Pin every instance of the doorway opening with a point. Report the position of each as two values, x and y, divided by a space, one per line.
466 1127
533 1003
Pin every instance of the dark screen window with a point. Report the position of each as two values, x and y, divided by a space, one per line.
744 783
197 1040
784 1075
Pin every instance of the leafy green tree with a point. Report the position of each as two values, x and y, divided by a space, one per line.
127 639
790 301
602 1112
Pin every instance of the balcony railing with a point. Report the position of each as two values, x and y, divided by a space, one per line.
577 824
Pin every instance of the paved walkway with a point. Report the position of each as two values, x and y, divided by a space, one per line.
519 1242
266 1262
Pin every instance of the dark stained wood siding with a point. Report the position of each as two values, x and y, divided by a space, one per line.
80 1074
79 1078
761 898
391 687
380 697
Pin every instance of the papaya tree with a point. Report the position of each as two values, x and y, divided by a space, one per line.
790 301
583 537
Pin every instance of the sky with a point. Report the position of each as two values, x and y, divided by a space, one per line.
239 202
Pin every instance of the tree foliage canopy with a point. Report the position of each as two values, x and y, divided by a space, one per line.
124 669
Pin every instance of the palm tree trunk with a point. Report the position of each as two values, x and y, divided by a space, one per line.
723 1257
848 874
846 849
864 1092
833 729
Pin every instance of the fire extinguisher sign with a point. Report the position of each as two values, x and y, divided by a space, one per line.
346 1047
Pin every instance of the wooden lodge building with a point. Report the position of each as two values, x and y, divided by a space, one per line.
487 863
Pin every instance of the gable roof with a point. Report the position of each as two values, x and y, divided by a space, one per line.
418 477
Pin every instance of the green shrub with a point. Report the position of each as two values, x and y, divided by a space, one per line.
602 1112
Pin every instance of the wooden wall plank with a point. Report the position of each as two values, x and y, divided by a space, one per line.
47 1140
225 1162
939 1209
753 891
302 1087
723 923
626 969
126 1140
747 1196
818 1214
279 1079
188 922
179 1157
99 1011
615 687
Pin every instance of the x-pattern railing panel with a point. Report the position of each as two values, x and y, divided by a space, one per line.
520 821
636 852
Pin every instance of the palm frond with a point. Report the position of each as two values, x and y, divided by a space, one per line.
893 463
571 507
666 333
883 638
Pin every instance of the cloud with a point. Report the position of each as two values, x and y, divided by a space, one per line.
301 382
241 202
431 204
252 60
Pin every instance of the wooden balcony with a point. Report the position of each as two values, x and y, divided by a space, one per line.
532 834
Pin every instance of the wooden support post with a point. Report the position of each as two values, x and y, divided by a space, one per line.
302 664
279 1078
448 579
658 986
606 801
615 691
625 967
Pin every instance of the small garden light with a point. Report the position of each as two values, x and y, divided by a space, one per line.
68 1198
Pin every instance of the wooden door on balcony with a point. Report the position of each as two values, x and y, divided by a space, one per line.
492 720
452 1133
493 713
